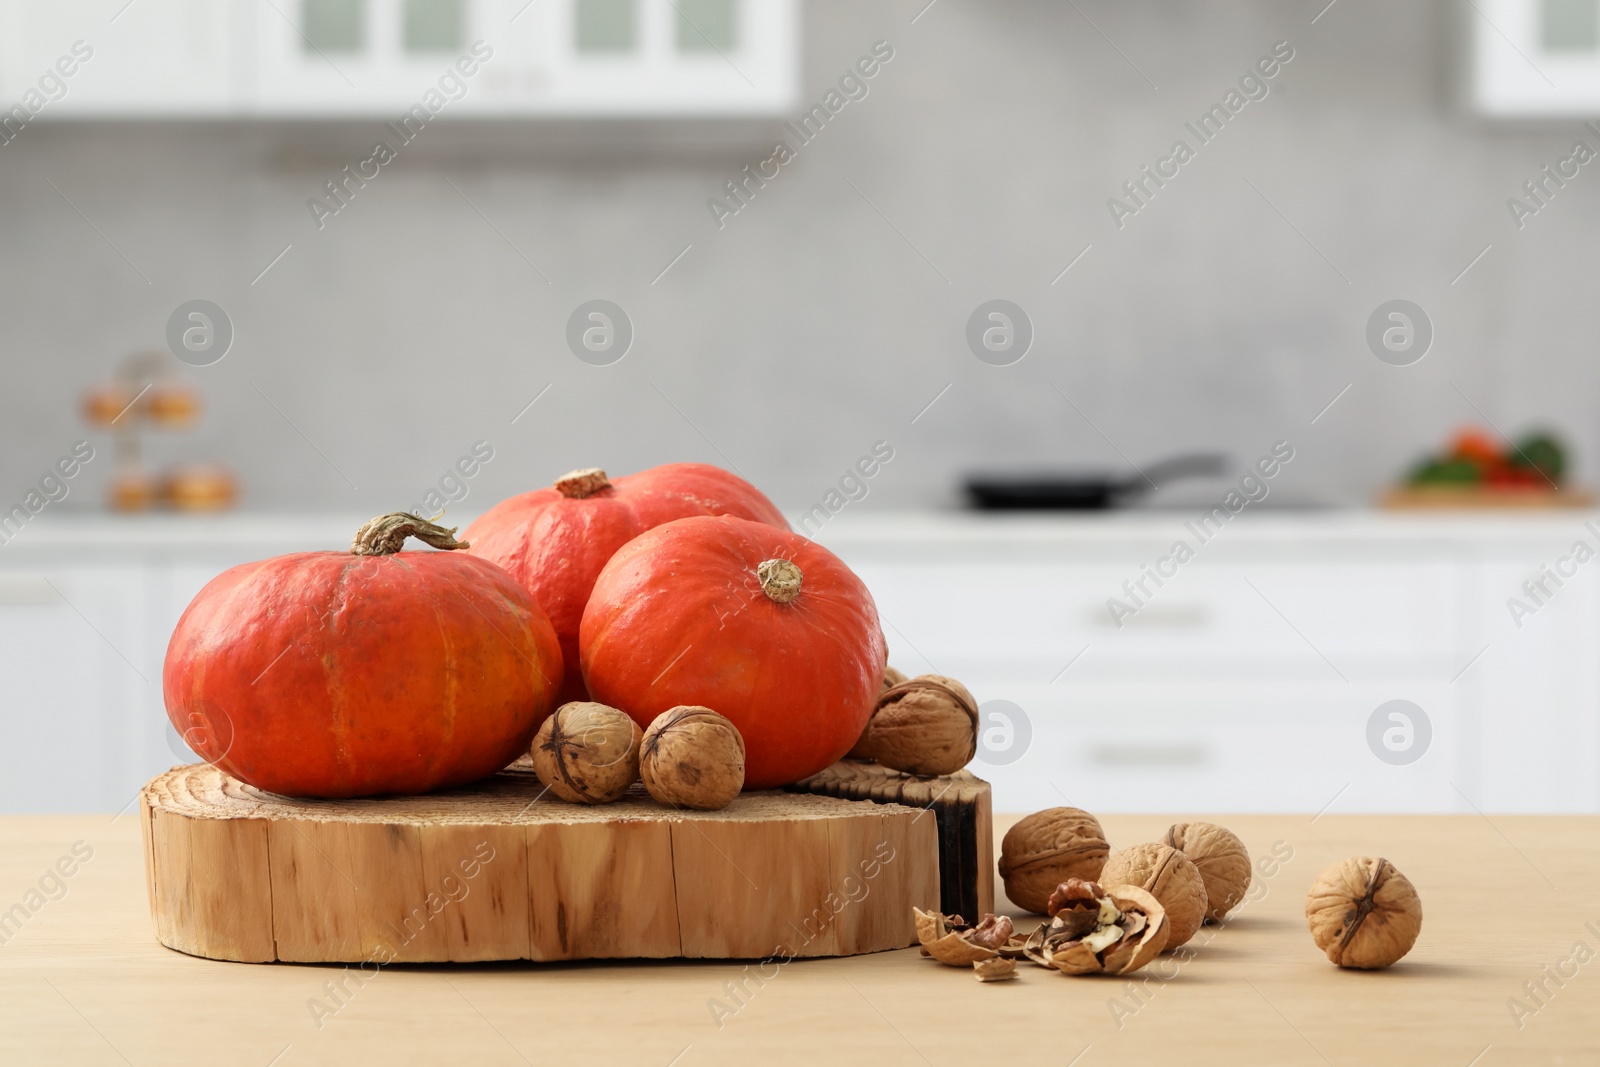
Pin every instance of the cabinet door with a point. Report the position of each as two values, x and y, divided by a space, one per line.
1537 690
150 57
1240 687
78 687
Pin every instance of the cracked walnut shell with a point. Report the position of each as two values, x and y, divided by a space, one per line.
691 757
951 940
1223 861
927 725
587 753
1094 930
1045 849
1170 877
1363 913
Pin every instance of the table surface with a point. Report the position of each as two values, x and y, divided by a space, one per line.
83 981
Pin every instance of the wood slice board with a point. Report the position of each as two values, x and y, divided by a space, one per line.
1451 497
962 809
497 871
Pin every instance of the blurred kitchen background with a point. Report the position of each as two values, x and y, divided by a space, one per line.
348 354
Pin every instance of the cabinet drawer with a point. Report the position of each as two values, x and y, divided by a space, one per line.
1290 616
1161 747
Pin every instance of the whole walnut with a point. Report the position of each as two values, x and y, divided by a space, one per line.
927 725
691 757
891 678
1223 860
1170 877
1045 849
587 753
1363 913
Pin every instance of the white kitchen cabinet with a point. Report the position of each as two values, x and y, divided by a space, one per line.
388 59
1532 686
78 685
1246 684
1247 681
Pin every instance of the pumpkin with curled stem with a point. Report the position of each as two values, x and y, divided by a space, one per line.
372 671
758 624
555 540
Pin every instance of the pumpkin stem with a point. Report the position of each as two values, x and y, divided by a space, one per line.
780 580
585 481
386 534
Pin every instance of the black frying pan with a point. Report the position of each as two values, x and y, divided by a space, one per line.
1085 491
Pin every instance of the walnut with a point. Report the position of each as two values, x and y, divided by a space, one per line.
1045 849
587 753
892 678
692 757
1363 913
1169 876
1223 861
1095 930
927 725
951 940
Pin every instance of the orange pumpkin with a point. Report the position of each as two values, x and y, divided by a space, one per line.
555 541
756 623
341 674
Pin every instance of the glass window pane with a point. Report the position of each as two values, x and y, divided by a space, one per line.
707 25
1570 25
605 25
333 25
435 25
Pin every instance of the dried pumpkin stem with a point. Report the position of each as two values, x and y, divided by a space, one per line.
585 481
780 580
386 534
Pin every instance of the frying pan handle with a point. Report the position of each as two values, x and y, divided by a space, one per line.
1186 465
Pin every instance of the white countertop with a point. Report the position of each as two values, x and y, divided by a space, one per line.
81 534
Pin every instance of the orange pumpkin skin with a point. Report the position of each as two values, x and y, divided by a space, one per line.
556 545
679 616
327 674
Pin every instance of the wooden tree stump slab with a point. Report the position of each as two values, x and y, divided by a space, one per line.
961 807
498 871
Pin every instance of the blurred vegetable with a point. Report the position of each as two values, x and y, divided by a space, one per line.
1540 453
1475 457
1476 446
1446 472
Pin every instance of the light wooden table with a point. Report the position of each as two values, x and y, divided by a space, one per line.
83 980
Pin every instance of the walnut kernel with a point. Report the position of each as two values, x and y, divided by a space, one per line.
1095 930
951 940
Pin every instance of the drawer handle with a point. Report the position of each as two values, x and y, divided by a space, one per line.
1123 755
